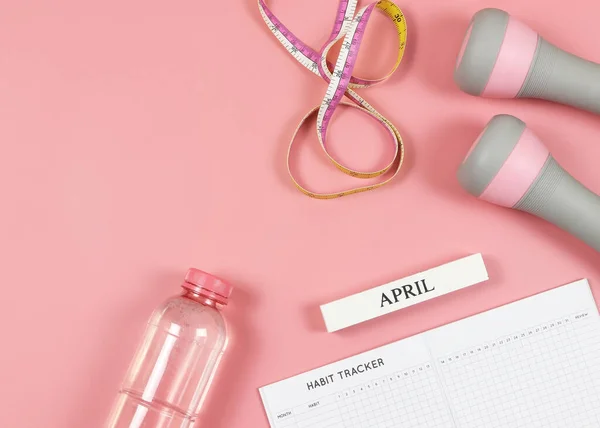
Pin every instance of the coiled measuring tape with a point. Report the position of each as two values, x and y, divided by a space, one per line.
350 26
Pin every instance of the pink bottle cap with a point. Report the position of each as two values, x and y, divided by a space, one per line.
207 285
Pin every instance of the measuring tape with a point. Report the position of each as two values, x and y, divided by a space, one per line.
349 26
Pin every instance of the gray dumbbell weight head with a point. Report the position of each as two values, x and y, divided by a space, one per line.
510 166
502 57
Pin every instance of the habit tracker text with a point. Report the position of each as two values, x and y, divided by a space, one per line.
343 374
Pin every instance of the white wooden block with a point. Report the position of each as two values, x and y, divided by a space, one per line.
404 292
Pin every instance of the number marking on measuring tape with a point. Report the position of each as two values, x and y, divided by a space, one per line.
349 26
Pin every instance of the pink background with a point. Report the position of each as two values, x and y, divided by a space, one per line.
140 137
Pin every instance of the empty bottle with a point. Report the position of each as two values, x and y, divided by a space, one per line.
176 361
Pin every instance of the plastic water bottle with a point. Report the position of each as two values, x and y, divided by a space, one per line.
175 363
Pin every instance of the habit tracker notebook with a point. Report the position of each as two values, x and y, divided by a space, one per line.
532 363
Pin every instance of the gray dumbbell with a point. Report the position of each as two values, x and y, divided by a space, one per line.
502 57
509 166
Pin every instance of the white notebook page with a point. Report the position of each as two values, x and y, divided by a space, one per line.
532 363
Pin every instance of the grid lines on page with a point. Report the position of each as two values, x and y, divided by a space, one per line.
410 398
545 376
